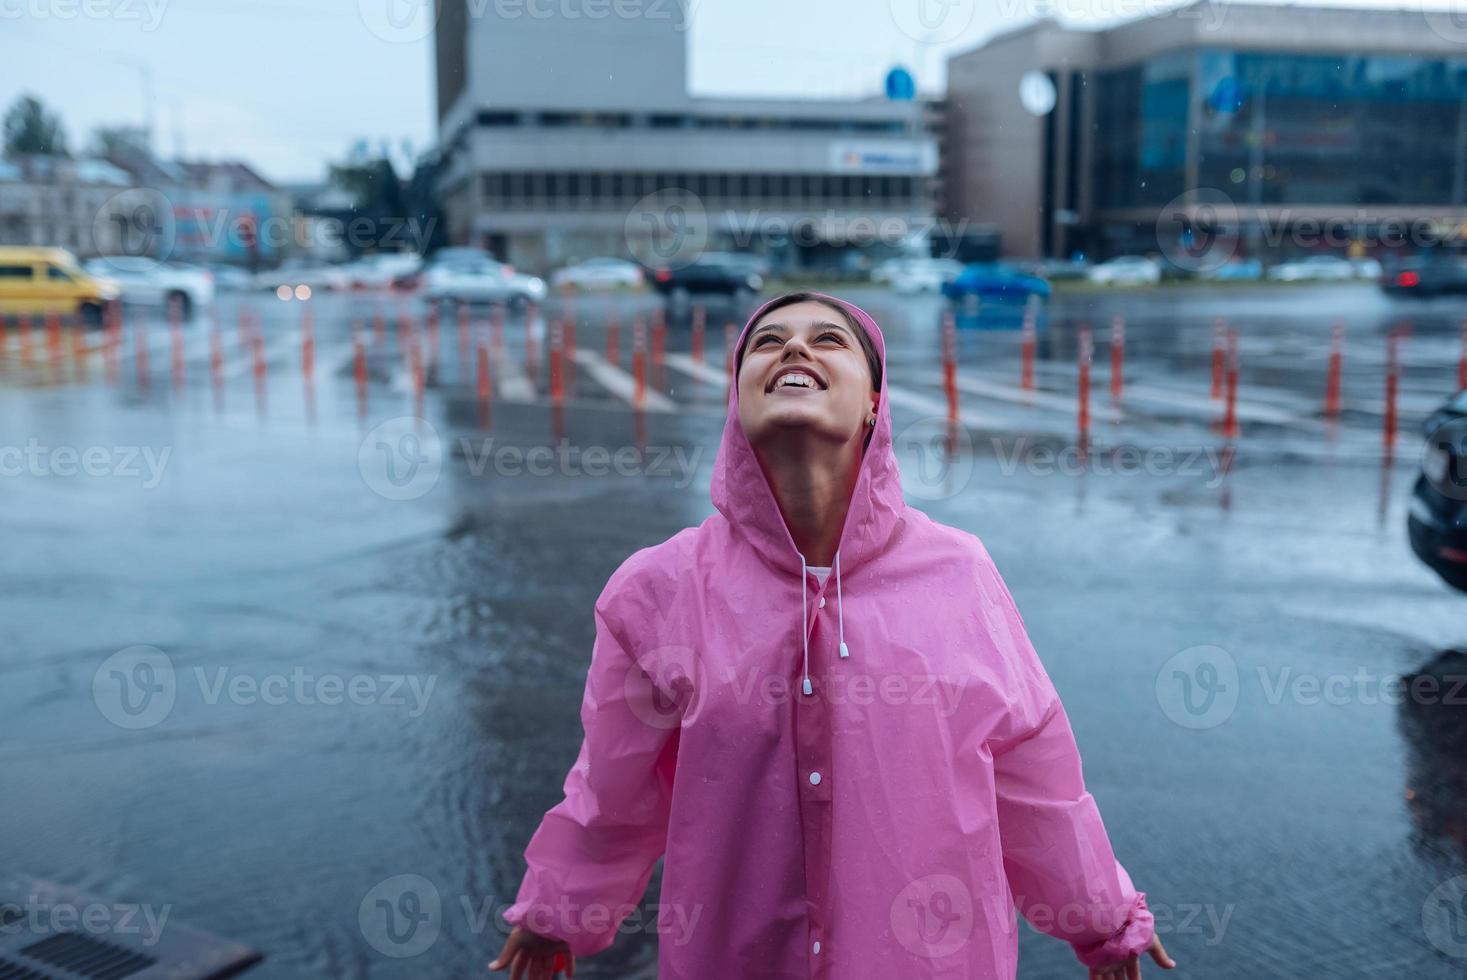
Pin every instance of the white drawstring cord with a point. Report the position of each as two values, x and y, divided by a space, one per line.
840 610
805 622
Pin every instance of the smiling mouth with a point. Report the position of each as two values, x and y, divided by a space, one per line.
796 381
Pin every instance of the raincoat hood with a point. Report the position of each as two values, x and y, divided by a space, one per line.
860 776
743 495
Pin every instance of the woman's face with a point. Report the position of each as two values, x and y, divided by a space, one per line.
804 369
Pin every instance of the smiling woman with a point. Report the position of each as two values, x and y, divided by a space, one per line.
808 834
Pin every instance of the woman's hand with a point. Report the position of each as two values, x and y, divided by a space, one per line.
533 957
1130 969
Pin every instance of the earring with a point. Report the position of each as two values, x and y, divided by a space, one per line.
871 421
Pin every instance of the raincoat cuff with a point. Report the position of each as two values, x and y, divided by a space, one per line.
542 919
1130 940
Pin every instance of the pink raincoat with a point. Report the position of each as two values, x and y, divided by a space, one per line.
883 821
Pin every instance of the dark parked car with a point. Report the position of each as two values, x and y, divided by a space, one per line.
1438 517
1427 275
706 275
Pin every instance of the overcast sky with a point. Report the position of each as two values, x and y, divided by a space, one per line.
290 84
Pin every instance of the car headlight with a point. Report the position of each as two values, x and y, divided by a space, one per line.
1434 465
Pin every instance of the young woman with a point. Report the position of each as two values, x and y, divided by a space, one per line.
836 796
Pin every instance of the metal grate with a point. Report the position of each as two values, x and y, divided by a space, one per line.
87 956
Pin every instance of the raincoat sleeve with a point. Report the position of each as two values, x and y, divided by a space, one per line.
1064 877
589 861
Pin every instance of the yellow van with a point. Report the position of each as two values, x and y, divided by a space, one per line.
48 280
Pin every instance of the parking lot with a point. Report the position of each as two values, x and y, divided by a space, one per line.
359 544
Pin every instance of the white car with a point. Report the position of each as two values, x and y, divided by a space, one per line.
143 281
924 275
1315 268
378 271
1126 270
599 274
316 276
480 281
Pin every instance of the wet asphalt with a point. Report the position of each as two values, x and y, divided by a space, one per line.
308 677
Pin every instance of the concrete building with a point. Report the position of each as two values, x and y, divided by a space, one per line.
567 137
1292 129
79 205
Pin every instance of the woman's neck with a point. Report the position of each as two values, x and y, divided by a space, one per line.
813 486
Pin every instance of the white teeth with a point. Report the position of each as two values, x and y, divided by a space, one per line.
798 380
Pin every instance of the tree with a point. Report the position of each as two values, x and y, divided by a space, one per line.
29 128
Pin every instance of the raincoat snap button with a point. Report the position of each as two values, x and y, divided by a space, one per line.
816 947
814 779
822 602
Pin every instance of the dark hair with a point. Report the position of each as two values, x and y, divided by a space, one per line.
868 346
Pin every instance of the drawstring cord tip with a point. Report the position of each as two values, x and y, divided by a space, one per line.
845 651
808 689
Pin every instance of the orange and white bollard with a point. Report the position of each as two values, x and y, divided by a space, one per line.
1230 413
1392 389
557 365
950 364
463 334
485 382
1086 354
1117 358
112 342
308 345
216 364
659 338
79 350
613 341
496 327
4 338
359 370
140 359
532 356
1219 339
53 344
570 354
27 343
639 363
700 324
261 368
1336 368
1462 360
1026 351
415 372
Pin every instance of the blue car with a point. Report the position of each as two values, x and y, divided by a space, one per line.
996 281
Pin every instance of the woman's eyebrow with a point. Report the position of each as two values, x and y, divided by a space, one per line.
818 325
